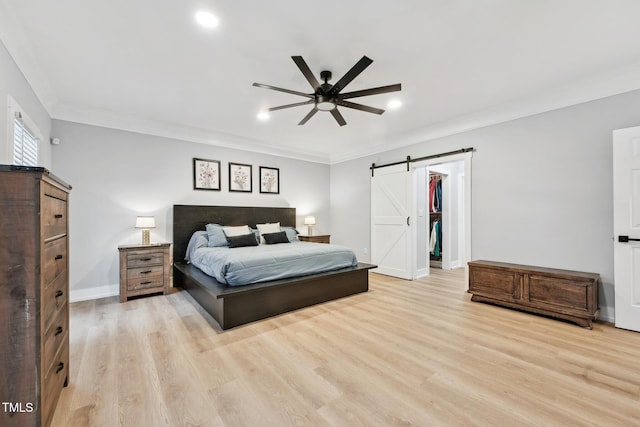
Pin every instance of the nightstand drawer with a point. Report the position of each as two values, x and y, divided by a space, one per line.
145 277
145 283
144 258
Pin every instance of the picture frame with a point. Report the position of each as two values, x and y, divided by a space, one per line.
269 180
206 174
240 177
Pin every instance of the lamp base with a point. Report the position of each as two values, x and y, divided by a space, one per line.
309 230
146 239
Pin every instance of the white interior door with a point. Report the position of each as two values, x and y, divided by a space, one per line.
391 201
626 225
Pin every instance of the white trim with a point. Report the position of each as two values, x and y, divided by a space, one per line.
466 157
602 85
113 120
94 293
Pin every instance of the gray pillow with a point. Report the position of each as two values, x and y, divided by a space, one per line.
199 239
292 233
216 235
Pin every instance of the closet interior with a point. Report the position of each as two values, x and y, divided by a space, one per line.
435 220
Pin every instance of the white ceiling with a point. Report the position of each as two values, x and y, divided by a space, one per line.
145 65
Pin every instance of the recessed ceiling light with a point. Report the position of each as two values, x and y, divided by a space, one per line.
394 103
263 116
207 19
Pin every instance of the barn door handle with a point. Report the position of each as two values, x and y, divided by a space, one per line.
625 239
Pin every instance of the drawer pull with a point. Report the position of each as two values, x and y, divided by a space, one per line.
60 367
145 283
59 293
58 216
146 272
58 331
59 256
145 259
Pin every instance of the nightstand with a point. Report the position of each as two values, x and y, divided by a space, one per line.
144 269
320 238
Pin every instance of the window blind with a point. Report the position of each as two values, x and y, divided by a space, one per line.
25 144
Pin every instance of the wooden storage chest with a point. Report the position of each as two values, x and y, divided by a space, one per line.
565 294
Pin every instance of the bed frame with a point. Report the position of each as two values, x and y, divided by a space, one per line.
232 306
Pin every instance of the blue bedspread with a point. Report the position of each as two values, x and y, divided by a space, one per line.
253 264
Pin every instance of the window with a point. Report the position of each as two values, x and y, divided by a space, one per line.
24 134
25 144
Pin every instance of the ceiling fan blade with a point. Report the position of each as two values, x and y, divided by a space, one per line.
360 107
336 115
308 116
373 91
351 74
293 92
302 65
297 104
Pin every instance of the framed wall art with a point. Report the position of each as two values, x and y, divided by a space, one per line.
269 180
206 174
240 177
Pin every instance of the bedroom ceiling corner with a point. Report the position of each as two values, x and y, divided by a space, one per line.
462 65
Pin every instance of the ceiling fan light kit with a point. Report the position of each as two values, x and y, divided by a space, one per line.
327 97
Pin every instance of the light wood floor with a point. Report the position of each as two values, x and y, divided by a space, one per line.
405 353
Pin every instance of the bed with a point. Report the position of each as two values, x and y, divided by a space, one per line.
233 306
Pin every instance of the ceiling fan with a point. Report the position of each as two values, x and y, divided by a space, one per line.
327 97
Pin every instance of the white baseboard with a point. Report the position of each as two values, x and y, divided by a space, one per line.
422 272
94 293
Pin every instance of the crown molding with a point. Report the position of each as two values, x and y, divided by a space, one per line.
613 82
113 120
18 44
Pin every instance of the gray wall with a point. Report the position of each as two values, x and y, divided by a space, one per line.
13 83
117 175
541 189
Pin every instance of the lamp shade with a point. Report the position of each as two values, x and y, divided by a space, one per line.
309 220
145 222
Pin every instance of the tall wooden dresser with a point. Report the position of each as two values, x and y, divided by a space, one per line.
34 288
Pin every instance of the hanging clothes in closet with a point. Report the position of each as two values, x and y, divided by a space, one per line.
435 193
435 240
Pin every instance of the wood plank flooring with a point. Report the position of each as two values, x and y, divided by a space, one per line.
404 354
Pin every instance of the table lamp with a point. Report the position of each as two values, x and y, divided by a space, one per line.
310 221
145 222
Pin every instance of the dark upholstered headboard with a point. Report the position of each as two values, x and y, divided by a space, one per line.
189 218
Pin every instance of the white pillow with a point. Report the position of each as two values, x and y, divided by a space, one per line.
239 230
268 228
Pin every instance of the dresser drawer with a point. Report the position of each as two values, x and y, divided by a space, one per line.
54 380
144 258
54 217
55 259
54 299
54 337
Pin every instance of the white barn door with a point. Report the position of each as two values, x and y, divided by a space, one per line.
626 227
391 202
